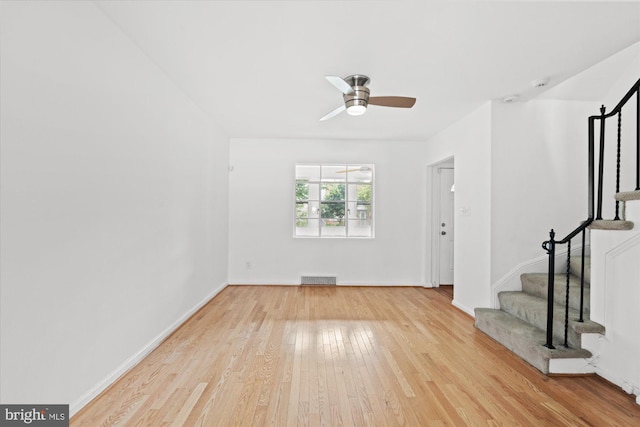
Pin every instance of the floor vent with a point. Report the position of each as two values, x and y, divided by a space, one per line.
318 280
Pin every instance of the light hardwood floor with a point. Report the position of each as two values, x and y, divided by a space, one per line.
298 356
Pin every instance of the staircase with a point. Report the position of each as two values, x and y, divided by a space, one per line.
543 321
520 322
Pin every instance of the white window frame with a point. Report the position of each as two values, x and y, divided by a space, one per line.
349 171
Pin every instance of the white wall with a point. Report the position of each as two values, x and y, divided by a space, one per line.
262 206
468 141
538 179
623 79
114 203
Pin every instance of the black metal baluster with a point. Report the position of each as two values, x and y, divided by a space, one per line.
566 303
582 279
550 247
601 162
617 217
590 178
638 140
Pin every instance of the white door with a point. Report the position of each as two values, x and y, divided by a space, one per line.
446 226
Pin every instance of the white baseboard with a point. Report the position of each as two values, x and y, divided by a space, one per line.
381 284
464 308
571 366
262 283
137 357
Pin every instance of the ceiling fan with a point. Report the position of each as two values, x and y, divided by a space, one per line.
356 96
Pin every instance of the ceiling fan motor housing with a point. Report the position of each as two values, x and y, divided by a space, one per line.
360 96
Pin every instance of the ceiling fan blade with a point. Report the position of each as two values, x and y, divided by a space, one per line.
339 82
335 112
360 169
392 101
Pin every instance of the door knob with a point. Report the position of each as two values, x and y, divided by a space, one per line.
443 233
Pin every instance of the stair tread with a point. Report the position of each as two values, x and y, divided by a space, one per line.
522 338
532 305
537 284
624 196
611 224
559 278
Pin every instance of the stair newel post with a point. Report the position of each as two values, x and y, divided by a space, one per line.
601 162
617 217
582 279
566 304
550 247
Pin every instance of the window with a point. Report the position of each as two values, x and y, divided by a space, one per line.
334 201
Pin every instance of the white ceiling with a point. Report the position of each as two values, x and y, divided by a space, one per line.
257 67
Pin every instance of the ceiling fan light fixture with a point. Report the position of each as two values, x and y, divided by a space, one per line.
357 101
356 110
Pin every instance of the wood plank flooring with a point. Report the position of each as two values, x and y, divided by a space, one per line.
352 356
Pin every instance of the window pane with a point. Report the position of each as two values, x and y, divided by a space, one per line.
364 212
308 172
334 173
302 210
302 190
305 210
360 173
332 211
307 227
360 210
333 228
314 209
314 191
360 228
360 192
334 192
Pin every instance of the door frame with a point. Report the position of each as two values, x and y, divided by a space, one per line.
433 240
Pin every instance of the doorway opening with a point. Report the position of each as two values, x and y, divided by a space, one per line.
442 226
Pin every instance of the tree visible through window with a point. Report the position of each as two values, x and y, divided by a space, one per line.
334 201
